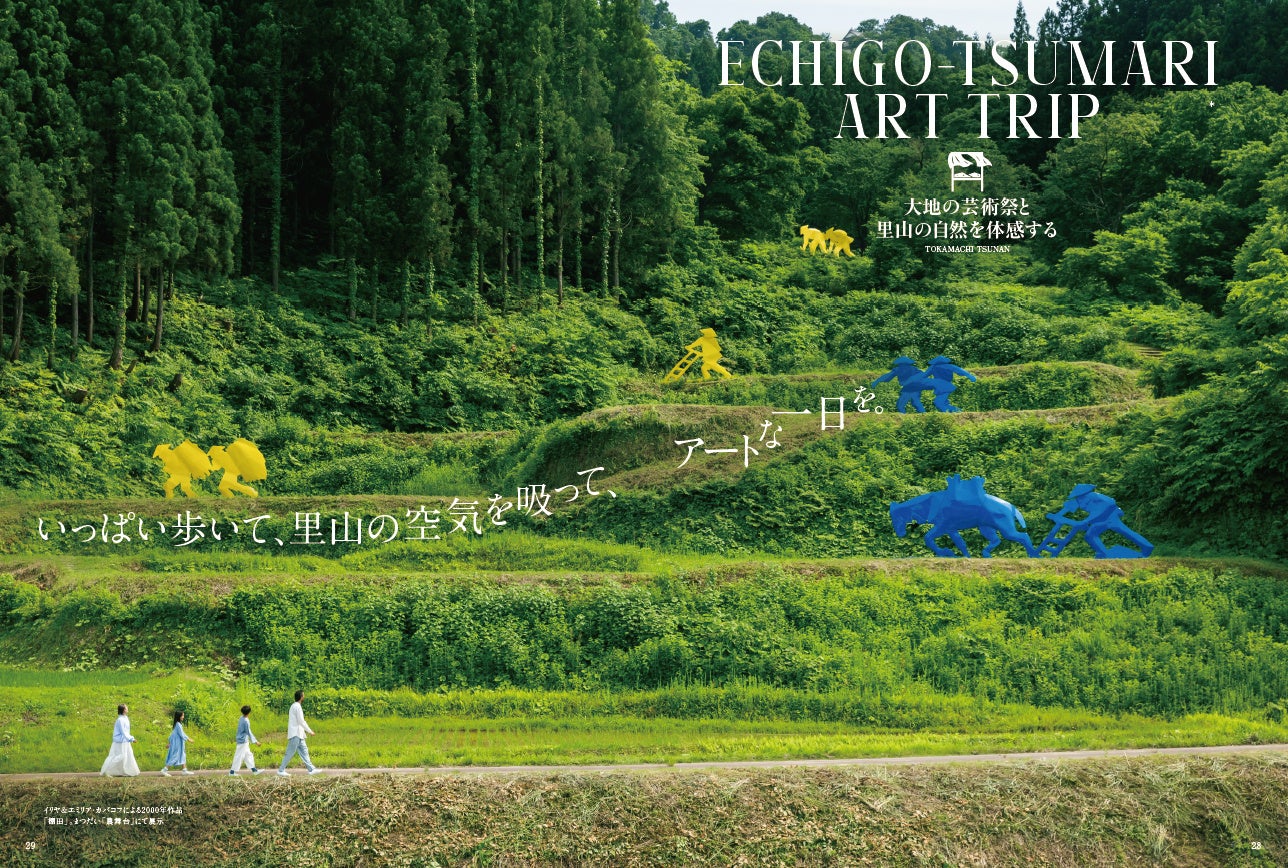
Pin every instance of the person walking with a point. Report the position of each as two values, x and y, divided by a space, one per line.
177 755
120 760
245 738
297 730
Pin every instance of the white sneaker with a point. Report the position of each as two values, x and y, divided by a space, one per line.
165 773
283 775
315 771
186 772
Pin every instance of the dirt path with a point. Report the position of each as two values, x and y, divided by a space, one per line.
1042 756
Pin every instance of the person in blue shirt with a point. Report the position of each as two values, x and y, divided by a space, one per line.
177 755
245 738
939 374
120 761
912 382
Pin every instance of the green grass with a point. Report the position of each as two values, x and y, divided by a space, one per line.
53 721
370 742
13 679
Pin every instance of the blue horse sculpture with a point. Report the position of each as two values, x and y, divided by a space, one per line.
963 504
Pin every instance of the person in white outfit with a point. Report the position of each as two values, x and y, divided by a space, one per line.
245 738
120 760
297 730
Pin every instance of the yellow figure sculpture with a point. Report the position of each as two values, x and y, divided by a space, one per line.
706 348
840 242
812 239
242 459
182 463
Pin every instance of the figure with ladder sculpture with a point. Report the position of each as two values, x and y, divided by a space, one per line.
706 348
1102 514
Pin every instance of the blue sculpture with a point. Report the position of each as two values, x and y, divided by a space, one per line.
911 379
963 504
937 378
1102 515
941 370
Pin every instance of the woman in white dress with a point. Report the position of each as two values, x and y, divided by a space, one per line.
120 761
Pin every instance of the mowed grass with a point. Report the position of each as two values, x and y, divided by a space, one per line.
1183 811
62 721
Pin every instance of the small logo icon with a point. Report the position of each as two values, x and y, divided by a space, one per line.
967 167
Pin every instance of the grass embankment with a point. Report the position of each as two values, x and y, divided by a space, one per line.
1163 639
1200 811
1032 386
61 722
819 494
738 660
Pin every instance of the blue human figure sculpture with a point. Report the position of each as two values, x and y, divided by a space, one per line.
1103 515
963 504
941 370
911 383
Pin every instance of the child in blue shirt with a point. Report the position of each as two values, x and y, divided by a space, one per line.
245 738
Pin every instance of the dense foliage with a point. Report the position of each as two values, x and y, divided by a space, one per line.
1165 643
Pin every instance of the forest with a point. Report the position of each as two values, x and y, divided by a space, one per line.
389 217
439 162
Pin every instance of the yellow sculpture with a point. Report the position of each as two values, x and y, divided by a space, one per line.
182 463
706 348
242 459
813 239
840 241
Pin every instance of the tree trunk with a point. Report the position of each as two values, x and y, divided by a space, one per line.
4 285
561 254
118 342
505 267
429 302
375 291
518 266
248 229
617 241
75 318
275 227
607 237
53 323
275 159
133 314
16 349
541 195
505 271
353 289
156 332
577 251
89 319
146 302
406 294
476 157
239 249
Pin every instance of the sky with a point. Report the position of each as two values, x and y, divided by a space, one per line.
838 16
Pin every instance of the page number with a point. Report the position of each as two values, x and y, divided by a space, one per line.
1256 845
30 845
